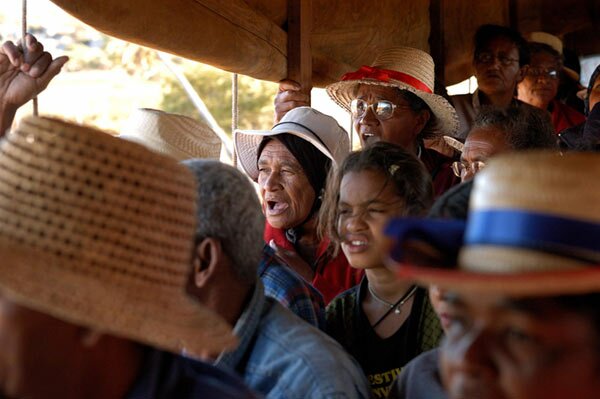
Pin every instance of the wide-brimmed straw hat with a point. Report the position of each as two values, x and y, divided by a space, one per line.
533 229
319 129
173 135
556 44
406 68
98 232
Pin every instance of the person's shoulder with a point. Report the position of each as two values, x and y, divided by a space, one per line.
300 352
461 97
419 379
425 362
213 382
170 375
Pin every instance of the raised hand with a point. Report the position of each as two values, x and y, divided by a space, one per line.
289 97
23 76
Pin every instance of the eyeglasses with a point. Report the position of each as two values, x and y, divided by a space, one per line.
488 58
537 72
461 168
383 109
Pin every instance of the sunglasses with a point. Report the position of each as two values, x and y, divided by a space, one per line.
383 109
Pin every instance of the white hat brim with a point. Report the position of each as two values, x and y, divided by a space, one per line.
247 142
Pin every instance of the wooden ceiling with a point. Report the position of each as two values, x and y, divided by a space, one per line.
251 37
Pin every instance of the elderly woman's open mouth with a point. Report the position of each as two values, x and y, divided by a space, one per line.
274 208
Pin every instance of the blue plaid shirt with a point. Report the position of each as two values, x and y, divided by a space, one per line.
290 289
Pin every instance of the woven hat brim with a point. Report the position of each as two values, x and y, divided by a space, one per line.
342 93
177 136
211 151
45 283
548 283
247 141
454 143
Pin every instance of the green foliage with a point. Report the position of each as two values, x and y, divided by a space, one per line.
255 98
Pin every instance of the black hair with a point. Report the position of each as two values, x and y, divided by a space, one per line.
488 32
525 127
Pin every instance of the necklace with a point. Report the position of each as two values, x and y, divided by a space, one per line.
398 305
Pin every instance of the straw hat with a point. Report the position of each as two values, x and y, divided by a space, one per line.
319 129
98 232
174 135
556 44
454 143
533 229
406 68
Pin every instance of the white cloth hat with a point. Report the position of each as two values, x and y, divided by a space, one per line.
319 129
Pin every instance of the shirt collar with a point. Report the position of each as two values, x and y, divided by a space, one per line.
245 328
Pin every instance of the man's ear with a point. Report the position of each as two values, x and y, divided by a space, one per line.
207 256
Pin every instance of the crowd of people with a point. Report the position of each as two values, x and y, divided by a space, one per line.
455 255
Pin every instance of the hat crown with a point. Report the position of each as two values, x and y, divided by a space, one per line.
542 182
546 38
324 128
534 211
170 134
109 224
411 61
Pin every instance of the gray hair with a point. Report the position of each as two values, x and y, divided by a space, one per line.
526 127
229 210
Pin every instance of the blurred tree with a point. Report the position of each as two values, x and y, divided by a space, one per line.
255 97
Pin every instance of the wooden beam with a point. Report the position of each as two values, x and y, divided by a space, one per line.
299 56
436 39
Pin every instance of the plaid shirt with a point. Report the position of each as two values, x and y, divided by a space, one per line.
290 289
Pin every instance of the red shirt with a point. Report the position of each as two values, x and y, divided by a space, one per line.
333 275
564 116
440 167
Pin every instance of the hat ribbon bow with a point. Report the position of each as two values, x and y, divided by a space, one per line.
384 75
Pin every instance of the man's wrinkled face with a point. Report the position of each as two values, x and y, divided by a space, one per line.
480 145
497 68
509 348
34 349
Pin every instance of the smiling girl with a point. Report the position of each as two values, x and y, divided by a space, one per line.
383 322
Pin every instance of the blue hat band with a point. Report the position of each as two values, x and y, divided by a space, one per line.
512 228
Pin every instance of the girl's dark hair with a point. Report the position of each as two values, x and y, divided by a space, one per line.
404 171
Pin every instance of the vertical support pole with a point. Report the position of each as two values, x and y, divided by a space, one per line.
436 39
513 14
299 56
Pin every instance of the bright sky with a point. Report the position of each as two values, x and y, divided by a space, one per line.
38 12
